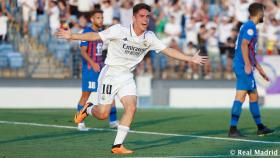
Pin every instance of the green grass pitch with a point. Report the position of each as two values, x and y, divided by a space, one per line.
182 125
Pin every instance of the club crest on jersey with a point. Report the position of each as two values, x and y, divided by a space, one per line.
145 43
250 32
103 97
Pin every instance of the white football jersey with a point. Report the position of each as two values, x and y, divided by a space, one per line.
126 49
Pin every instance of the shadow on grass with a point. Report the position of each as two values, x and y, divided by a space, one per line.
52 136
159 121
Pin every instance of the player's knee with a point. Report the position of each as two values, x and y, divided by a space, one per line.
103 116
132 109
241 100
254 99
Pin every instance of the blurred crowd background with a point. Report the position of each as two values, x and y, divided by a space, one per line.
28 48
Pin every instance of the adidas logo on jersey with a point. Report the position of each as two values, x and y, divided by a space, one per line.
125 39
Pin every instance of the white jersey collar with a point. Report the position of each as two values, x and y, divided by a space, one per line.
133 34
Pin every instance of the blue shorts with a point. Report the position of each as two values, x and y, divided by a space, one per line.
89 80
244 81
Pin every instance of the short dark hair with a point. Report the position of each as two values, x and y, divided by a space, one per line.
202 26
255 8
140 6
95 11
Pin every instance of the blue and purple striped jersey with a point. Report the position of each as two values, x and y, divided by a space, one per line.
249 32
94 50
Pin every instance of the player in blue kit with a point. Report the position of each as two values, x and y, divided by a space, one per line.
244 64
92 62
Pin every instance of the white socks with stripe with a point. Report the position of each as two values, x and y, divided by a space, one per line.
121 134
89 109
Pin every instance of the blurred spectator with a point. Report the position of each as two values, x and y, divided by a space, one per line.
152 24
175 11
193 69
53 13
213 9
4 6
226 9
171 71
41 7
214 52
73 7
83 22
149 2
3 26
230 49
224 31
126 13
63 11
85 7
29 12
277 11
160 24
78 27
108 12
145 66
172 30
199 14
193 4
272 30
156 9
202 37
241 10
191 31
116 21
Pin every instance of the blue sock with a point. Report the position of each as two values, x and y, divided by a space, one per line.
235 112
113 114
255 111
79 107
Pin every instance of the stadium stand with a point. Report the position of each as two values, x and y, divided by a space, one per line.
47 57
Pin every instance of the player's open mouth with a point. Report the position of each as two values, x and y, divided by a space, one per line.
144 25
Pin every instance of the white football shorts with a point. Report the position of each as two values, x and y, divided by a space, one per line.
111 85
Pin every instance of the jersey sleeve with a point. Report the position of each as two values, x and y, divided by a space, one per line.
249 32
156 44
85 43
110 33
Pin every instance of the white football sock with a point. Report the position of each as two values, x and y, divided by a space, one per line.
121 134
89 109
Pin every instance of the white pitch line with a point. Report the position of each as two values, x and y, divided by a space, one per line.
144 132
225 156
206 137
194 156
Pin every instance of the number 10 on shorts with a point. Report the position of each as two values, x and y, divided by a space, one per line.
91 85
106 89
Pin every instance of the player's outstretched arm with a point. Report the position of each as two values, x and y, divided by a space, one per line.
67 34
181 56
261 71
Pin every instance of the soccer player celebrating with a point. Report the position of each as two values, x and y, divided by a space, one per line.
244 64
92 62
127 47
